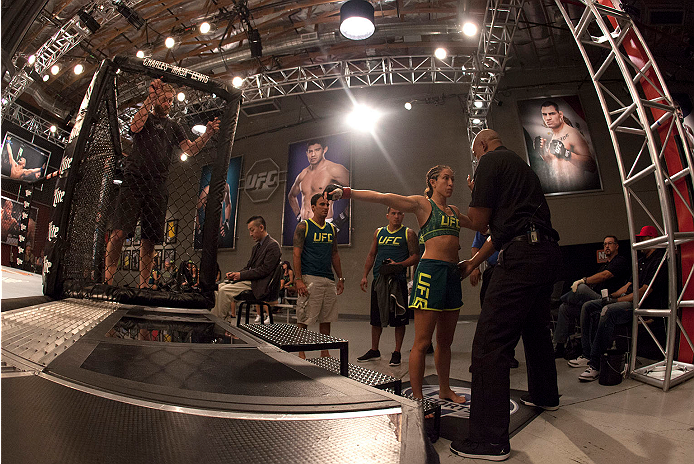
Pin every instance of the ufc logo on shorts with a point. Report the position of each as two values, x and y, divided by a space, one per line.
422 291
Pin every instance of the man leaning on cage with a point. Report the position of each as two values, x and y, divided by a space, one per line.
143 193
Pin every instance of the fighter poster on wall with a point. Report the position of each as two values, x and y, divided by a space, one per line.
559 146
227 220
12 219
313 164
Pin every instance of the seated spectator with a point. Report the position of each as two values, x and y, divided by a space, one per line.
618 307
611 275
154 275
287 287
167 278
265 257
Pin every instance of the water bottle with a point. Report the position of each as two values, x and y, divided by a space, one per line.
302 302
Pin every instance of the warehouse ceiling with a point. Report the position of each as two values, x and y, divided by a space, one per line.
303 32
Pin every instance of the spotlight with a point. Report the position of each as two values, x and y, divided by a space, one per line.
53 129
205 27
237 82
199 129
254 42
478 104
357 19
79 69
55 69
89 21
469 29
32 59
129 14
46 77
181 96
4 101
140 54
184 156
476 121
440 53
169 42
363 118
408 106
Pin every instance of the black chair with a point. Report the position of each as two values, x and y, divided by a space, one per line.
247 299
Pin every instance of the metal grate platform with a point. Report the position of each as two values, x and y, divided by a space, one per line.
361 374
429 407
40 333
291 338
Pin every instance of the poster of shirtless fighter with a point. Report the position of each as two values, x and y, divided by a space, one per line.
312 165
560 150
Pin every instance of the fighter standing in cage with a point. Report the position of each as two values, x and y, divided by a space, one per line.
143 193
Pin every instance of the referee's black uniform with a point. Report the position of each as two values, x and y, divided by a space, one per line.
517 301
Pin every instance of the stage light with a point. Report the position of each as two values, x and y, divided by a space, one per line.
478 104
470 29
205 27
89 21
46 77
79 69
408 106
129 14
254 43
140 54
199 129
53 129
237 82
184 156
4 101
55 69
32 59
169 42
440 53
476 121
357 19
181 96
363 118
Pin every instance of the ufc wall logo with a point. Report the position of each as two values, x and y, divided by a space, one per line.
262 180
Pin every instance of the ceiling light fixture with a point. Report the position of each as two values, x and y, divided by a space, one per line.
79 69
237 82
89 21
470 29
140 54
46 77
55 69
479 103
169 42
357 20
440 53
408 106
32 59
53 129
205 27
199 129
181 96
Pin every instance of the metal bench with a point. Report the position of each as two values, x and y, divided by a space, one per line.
361 374
291 338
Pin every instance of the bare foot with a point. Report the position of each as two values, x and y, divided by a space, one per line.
302 355
451 396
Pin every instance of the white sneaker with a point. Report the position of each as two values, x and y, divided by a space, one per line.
257 319
267 320
581 361
589 375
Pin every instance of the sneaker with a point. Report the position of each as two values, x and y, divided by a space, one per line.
371 355
395 359
257 319
267 320
526 400
589 375
476 450
581 361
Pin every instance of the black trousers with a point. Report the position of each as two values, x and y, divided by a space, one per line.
517 302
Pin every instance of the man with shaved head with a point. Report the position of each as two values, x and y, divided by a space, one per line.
507 199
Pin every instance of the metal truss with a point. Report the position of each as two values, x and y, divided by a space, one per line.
487 66
35 124
363 72
645 115
69 35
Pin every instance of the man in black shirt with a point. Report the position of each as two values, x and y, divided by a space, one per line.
507 198
611 275
143 193
618 307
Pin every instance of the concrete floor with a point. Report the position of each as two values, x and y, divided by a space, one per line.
627 423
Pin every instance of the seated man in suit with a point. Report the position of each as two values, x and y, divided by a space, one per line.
265 257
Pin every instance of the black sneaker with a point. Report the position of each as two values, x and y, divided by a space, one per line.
395 359
526 400
371 355
476 450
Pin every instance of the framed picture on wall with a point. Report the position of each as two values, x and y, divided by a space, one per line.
125 260
135 261
559 146
313 164
227 219
171 231
137 238
12 222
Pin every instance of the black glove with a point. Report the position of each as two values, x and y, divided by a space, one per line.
557 148
333 192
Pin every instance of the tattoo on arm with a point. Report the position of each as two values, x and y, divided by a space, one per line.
300 235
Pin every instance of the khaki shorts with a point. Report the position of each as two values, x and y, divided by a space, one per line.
321 303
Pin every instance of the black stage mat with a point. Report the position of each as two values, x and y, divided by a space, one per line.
455 417
44 422
248 372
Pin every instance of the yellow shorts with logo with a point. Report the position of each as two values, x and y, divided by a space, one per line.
436 286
